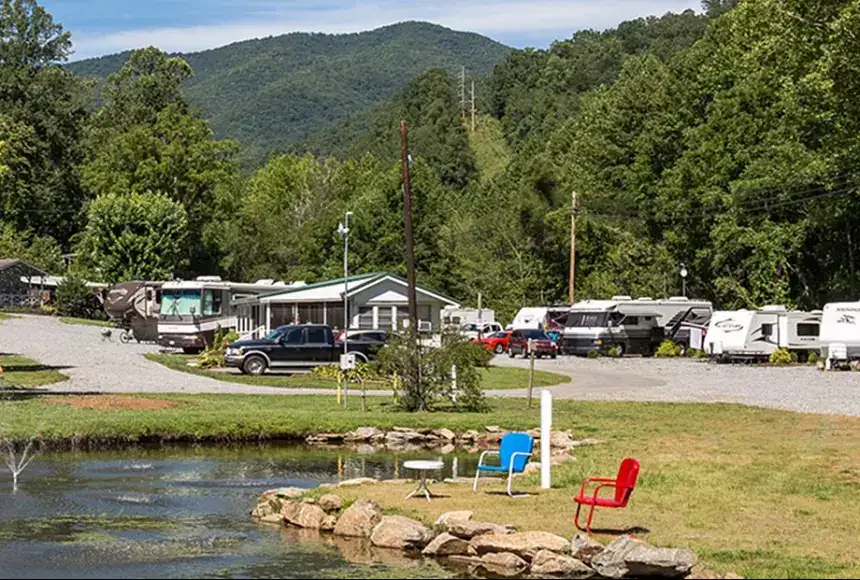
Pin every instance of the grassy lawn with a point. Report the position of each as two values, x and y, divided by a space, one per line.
492 378
84 321
4 316
19 371
762 493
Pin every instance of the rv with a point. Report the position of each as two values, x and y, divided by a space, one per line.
840 332
135 306
634 326
192 311
540 318
755 334
454 317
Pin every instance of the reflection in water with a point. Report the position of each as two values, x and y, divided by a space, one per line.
183 512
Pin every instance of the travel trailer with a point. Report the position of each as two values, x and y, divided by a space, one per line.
455 317
755 334
192 311
135 306
840 332
539 318
634 326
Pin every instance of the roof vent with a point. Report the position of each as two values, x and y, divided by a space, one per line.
774 308
679 299
622 298
645 299
208 278
299 283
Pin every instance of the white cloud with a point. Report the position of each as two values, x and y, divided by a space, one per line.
483 16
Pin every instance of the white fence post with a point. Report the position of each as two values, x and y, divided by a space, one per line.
545 436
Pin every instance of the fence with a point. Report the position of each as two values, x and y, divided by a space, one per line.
20 301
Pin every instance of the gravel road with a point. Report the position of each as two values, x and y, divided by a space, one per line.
108 366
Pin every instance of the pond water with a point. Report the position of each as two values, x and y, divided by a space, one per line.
184 513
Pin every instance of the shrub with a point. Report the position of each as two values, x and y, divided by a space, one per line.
780 357
668 349
592 354
813 358
695 353
794 358
362 372
614 352
213 355
75 299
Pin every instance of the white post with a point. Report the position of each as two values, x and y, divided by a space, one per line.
454 383
545 436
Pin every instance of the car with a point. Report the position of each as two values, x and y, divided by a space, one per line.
496 342
290 346
472 330
543 344
370 336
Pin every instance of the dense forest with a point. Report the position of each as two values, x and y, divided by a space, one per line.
270 93
725 140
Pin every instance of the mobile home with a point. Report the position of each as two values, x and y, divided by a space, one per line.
755 334
840 332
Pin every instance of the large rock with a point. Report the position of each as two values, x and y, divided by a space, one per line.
325 438
285 492
330 502
268 510
627 557
503 564
447 545
303 514
364 434
546 563
523 544
561 440
359 519
356 481
468 529
584 548
328 523
444 434
444 519
401 533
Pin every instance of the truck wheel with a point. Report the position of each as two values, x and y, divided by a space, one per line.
499 349
254 365
683 348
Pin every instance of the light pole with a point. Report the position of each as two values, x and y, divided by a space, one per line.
683 280
343 230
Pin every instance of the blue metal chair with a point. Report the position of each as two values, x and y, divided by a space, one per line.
514 453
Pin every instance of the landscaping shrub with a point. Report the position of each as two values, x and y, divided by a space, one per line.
363 372
780 357
614 352
75 299
813 358
213 355
668 349
592 354
696 353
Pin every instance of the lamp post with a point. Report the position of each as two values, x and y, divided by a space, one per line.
683 280
343 230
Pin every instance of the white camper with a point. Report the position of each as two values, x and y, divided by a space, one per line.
539 318
840 332
755 334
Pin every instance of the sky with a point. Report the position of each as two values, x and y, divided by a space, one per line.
101 27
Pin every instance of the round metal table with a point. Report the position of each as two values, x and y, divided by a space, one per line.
422 467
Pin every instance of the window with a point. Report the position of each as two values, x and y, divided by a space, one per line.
535 334
586 319
180 302
293 336
315 335
365 317
211 302
807 329
631 320
766 330
384 317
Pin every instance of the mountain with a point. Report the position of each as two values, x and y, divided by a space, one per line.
268 93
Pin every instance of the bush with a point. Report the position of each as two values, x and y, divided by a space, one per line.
213 355
780 357
668 349
73 298
362 372
813 358
592 354
794 358
614 352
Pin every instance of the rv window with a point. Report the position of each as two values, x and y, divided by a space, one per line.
586 319
631 320
766 330
807 329
211 302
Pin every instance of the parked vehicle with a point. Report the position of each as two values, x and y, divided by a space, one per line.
133 307
755 334
454 317
496 342
368 336
840 332
542 318
543 344
473 330
293 345
634 326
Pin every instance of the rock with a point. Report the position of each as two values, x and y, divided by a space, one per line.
359 519
699 573
561 440
303 515
330 502
523 544
492 429
325 438
468 529
401 533
356 481
503 563
469 436
584 548
268 510
627 557
447 545
447 449
546 563
364 434
328 524
462 515
445 434
285 492
532 467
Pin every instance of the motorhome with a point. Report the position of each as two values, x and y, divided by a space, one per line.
192 311
755 334
135 306
540 318
840 332
634 326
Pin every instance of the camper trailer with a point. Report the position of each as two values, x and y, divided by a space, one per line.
755 334
634 326
540 318
840 332
192 311
134 306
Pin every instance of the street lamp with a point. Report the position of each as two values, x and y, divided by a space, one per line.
343 231
683 280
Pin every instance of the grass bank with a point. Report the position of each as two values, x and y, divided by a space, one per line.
4 316
84 321
22 372
493 378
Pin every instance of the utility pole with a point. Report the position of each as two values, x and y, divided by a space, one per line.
473 106
463 93
407 219
573 212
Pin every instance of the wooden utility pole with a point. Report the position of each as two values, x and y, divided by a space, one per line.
407 219
463 93
573 213
473 106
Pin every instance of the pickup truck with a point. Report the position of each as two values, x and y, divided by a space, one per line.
291 346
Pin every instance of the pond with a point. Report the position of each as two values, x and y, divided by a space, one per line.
183 512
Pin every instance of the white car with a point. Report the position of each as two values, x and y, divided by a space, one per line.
472 330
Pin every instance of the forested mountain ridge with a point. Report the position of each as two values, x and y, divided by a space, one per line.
271 92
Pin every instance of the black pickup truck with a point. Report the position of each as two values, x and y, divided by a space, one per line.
292 346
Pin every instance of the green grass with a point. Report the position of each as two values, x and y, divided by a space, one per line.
4 316
22 372
85 321
491 379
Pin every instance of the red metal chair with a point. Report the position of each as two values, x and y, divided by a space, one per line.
623 484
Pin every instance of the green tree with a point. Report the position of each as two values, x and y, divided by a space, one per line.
41 251
136 236
75 298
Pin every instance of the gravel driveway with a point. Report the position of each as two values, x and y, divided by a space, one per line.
108 366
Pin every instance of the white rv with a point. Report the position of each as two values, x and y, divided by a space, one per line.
193 310
840 332
634 325
539 318
755 334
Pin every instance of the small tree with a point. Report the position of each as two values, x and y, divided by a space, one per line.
74 298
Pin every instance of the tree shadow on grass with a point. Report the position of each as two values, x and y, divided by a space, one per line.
34 368
631 531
